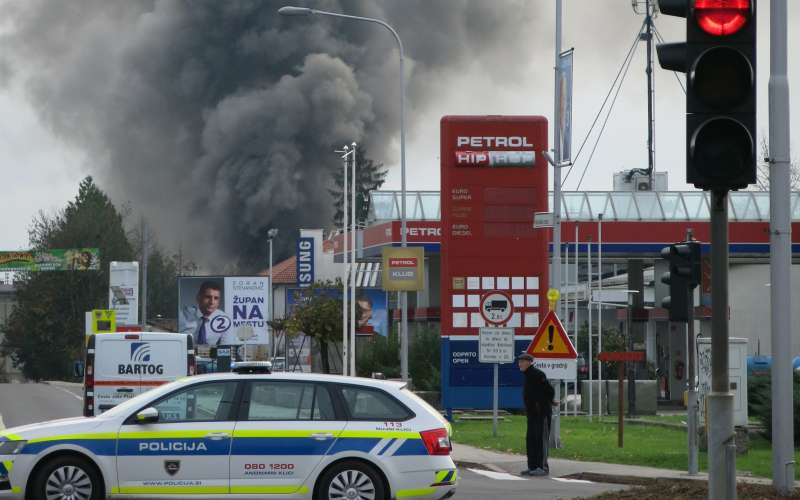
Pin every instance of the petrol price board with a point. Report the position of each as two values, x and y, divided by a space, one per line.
494 264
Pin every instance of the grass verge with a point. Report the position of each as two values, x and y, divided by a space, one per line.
646 445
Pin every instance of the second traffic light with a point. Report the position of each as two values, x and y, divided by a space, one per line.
683 276
719 59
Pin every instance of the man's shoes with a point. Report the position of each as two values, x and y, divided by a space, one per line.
526 472
538 472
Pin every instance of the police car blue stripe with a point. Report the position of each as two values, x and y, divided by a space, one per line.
353 444
279 446
390 443
411 447
448 477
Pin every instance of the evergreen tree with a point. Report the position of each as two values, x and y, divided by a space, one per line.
45 331
370 175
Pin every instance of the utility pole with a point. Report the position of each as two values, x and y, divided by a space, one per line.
721 437
651 157
145 257
692 392
555 274
780 255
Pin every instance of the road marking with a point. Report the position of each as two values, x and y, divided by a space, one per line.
503 476
62 389
565 480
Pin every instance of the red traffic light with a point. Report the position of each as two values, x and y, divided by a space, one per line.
722 17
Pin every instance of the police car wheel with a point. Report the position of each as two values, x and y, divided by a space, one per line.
67 478
351 480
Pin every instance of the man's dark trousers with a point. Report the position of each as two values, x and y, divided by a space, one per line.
537 441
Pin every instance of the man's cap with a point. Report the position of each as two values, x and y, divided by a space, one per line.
526 356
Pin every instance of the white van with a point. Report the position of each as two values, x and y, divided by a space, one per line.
120 366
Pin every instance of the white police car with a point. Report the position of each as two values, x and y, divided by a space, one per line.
240 435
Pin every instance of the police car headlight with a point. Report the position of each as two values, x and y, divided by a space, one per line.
11 447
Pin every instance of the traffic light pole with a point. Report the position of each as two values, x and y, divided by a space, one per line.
692 392
780 254
721 437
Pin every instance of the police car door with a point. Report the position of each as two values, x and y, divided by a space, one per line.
187 450
284 431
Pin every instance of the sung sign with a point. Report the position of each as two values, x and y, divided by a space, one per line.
305 262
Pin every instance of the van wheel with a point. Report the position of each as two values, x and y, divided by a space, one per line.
351 480
67 478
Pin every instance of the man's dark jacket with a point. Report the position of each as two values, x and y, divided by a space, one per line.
537 393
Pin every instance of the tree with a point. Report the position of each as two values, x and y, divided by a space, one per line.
318 314
762 173
45 331
370 175
162 275
613 340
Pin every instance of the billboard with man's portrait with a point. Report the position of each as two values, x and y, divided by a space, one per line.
224 310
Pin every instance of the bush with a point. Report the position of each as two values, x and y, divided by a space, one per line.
759 404
382 354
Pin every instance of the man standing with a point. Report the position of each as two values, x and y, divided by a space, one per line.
537 393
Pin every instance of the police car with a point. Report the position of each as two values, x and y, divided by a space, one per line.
240 435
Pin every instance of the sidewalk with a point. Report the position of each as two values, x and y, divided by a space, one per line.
513 464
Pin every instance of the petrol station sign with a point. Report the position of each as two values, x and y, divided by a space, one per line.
494 264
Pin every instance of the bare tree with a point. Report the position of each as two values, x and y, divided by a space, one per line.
762 170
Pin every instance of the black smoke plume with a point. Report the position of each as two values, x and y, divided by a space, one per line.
217 119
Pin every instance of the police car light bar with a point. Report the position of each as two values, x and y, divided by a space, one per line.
251 367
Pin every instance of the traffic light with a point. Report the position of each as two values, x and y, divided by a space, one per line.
683 276
719 59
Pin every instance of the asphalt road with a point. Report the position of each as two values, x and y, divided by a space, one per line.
476 484
22 404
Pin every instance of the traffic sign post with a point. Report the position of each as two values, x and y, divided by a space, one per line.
495 345
621 358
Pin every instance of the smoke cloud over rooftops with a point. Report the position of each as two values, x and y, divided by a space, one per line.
218 119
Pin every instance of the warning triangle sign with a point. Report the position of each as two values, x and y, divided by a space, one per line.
551 341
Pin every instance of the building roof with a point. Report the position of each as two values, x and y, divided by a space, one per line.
284 272
635 206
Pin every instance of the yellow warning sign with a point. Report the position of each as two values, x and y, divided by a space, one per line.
551 341
104 321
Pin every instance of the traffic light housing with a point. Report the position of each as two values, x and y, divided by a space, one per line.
719 59
683 276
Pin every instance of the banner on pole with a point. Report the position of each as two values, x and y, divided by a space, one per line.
565 125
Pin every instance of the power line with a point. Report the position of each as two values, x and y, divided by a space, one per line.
602 129
625 62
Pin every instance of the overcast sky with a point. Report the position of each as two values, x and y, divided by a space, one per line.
41 171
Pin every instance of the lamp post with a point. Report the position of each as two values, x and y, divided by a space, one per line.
303 11
346 347
271 234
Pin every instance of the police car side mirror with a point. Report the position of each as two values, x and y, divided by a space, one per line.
147 416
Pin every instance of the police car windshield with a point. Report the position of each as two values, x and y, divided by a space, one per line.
136 402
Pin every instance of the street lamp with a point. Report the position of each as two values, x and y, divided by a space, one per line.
304 11
271 234
348 346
